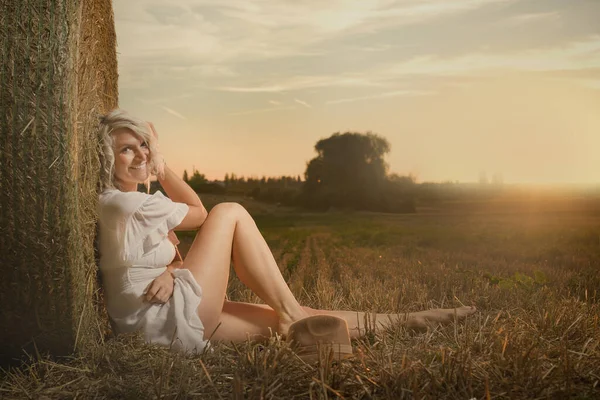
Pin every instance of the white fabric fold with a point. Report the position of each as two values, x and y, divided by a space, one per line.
135 250
150 224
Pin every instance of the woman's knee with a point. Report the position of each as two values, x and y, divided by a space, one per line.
229 209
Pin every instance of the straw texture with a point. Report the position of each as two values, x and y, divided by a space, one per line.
58 74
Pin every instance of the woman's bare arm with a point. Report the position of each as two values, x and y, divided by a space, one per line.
181 192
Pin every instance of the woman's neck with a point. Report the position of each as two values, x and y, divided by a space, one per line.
129 187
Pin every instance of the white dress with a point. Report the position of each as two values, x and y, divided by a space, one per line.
134 250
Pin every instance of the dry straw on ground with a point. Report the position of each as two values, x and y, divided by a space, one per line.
58 75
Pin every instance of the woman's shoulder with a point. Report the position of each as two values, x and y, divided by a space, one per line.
115 195
116 202
111 194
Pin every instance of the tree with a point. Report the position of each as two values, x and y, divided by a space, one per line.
349 171
197 180
185 176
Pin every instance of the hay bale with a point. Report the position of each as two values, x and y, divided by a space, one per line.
58 74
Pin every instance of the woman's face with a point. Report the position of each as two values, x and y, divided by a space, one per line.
131 158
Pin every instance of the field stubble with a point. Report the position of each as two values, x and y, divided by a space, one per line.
534 278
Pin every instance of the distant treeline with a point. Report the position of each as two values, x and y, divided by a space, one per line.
348 173
283 189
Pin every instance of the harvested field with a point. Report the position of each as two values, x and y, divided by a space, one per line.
533 275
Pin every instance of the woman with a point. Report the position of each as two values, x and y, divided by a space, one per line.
183 303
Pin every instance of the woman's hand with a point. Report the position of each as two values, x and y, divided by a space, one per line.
161 288
157 162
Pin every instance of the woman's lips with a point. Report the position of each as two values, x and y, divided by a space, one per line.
139 166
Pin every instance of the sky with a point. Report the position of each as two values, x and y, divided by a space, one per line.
459 88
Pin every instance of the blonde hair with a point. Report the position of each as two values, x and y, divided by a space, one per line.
119 119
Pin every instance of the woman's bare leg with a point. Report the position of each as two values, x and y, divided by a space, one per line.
230 231
360 322
240 321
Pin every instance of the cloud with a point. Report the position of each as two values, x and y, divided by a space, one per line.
275 103
253 46
337 17
164 99
262 110
575 55
363 79
375 48
260 89
237 31
595 84
533 17
173 112
305 104
396 93
583 54
587 77
589 83
413 12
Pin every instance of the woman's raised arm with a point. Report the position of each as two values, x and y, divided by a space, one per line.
178 190
181 192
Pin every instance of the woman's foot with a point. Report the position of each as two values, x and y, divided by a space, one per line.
285 321
422 320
